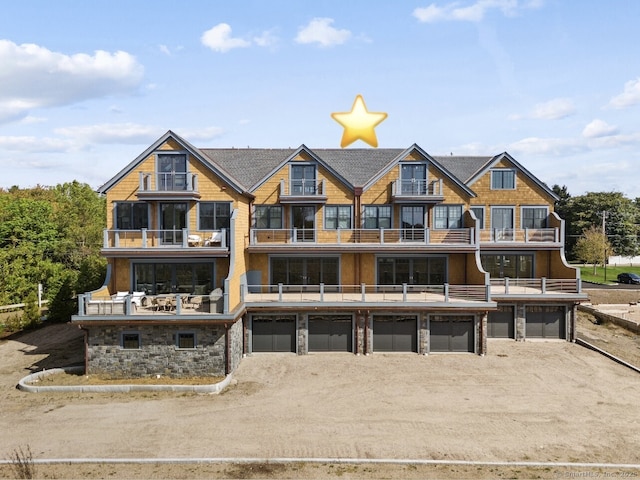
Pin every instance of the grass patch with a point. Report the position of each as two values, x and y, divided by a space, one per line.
587 275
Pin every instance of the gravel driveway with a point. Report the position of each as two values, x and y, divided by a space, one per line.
530 401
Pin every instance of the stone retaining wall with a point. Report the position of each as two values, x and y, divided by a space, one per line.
607 317
158 353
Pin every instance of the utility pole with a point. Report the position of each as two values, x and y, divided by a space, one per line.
604 242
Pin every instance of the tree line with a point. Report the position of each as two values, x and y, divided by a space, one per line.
51 236
585 239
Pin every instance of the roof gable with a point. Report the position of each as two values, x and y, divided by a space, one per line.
505 156
193 151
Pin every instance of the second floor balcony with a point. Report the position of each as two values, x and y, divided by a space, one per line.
362 238
521 235
303 190
414 190
152 240
168 185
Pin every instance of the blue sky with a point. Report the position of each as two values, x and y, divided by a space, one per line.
86 86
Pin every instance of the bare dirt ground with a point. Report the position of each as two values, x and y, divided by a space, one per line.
525 401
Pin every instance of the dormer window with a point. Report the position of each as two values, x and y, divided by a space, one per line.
503 179
303 180
172 171
413 177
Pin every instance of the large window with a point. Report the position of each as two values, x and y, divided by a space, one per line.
534 217
479 213
305 270
508 265
412 270
377 216
337 216
132 215
163 278
414 178
303 180
269 216
172 171
447 216
503 179
214 215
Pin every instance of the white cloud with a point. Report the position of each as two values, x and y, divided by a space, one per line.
547 146
599 128
164 49
106 133
474 12
35 77
319 30
30 144
219 39
266 39
630 96
201 134
554 109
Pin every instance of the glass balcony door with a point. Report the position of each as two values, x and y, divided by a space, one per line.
413 222
304 221
303 180
173 218
172 172
414 179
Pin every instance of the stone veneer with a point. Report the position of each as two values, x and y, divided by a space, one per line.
158 354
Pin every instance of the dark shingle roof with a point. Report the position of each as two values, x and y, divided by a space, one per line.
463 168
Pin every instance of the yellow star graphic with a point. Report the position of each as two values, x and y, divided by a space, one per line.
359 124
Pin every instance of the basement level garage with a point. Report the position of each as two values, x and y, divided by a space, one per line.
451 334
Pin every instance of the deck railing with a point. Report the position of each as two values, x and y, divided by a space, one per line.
416 188
139 304
347 294
511 286
424 236
168 182
177 238
521 235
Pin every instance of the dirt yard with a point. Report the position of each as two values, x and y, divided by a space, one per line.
525 401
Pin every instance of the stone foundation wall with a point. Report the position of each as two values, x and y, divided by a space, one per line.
158 354
236 345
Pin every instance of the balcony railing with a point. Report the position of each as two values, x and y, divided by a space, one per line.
519 286
168 182
415 188
180 238
363 293
360 236
151 305
521 235
309 190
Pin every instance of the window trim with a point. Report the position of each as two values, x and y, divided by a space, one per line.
377 207
483 220
501 170
268 206
337 207
116 210
447 205
130 332
215 218
533 207
186 332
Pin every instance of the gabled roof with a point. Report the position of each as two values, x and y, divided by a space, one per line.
186 146
463 168
527 173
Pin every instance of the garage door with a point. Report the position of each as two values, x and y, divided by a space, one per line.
500 323
393 333
331 333
451 335
274 334
545 322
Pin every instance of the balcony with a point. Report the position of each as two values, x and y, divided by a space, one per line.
521 235
414 190
518 287
151 307
303 191
168 186
358 296
150 241
408 238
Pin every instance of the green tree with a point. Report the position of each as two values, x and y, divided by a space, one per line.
31 311
593 247
622 218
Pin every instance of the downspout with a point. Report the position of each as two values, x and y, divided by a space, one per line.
227 347
357 191
366 332
86 350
